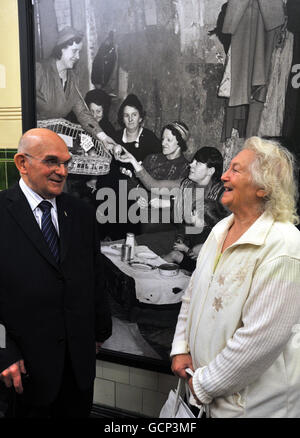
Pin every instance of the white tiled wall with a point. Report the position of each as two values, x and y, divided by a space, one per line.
132 389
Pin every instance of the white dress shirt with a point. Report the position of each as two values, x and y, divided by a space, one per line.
34 200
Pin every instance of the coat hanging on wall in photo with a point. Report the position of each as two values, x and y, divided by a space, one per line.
104 62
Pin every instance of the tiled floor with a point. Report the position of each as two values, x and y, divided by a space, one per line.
8 171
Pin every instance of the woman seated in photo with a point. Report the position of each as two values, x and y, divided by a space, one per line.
98 102
137 139
169 164
205 173
141 142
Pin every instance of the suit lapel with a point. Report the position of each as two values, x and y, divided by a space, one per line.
65 224
21 212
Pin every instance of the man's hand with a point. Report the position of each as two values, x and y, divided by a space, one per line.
98 346
179 363
12 376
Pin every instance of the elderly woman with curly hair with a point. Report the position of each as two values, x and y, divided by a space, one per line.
237 325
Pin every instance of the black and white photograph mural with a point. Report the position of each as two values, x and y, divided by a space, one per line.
153 99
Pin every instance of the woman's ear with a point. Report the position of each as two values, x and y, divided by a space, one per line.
261 193
212 170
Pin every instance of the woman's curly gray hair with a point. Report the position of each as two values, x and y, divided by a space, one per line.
273 170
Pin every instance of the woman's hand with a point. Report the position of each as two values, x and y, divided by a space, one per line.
190 383
160 203
117 150
180 247
126 172
179 364
142 202
174 256
195 251
108 142
92 184
125 157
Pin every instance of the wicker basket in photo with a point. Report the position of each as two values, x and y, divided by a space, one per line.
89 156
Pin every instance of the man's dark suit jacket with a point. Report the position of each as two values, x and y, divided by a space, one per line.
43 306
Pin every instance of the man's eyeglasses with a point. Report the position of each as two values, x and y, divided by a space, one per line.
52 163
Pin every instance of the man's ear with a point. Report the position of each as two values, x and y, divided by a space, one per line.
21 163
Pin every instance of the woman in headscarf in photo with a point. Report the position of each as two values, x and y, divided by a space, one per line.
169 164
57 91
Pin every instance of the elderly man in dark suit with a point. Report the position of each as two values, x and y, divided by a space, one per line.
52 303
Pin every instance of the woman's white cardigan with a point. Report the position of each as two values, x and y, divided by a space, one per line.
241 322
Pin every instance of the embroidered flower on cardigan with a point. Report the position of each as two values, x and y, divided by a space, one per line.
227 286
221 280
241 275
217 304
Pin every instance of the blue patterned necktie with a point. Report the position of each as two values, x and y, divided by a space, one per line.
48 229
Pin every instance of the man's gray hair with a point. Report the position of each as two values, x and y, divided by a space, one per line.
23 144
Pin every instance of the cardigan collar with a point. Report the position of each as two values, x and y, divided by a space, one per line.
255 235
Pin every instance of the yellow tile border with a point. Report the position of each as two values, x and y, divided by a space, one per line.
10 113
